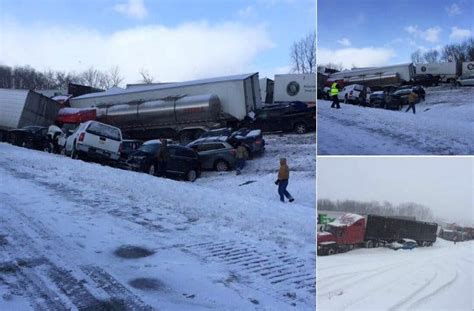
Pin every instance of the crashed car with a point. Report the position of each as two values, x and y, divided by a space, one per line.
284 118
32 137
403 244
252 140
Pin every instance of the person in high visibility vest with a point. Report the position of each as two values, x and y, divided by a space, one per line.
335 100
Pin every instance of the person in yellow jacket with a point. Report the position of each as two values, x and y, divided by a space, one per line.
411 101
334 92
282 181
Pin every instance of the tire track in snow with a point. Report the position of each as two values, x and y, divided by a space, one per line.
75 288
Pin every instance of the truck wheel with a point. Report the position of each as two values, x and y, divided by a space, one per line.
376 244
221 166
191 175
300 128
331 251
370 244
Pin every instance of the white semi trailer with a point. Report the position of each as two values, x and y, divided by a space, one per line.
447 71
295 88
20 108
467 68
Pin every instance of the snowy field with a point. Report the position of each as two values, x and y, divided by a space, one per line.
76 235
443 124
440 277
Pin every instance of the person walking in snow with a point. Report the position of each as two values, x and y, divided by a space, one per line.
411 101
282 181
240 157
334 92
455 239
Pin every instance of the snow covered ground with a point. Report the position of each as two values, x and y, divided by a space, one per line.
443 124
81 235
440 277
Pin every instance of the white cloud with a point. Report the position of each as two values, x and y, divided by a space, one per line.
458 34
247 12
430 34
133 8
453 9
344 42
184 52
358 57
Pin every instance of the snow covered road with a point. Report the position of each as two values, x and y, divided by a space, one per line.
432 278
81 235
443 124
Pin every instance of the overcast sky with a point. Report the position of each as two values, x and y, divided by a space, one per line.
374 33
174 40
444 184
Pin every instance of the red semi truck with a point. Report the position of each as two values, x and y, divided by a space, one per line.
352 230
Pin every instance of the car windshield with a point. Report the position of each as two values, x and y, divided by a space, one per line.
332 229
402 92
149 148
218 132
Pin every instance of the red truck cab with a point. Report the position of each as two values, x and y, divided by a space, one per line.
342 234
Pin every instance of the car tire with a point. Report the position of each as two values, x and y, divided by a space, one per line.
152 170
300 128
74 152
221 166
191 175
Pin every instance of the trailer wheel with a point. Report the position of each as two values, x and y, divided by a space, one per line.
376 244
370 244
331 251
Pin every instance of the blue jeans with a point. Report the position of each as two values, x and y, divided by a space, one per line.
282 184
239 164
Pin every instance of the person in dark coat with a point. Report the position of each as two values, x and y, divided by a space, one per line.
455 239
363 97
411 101
163 158
241 156
282 181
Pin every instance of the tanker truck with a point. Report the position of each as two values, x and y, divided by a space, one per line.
172 117
181 110
351 230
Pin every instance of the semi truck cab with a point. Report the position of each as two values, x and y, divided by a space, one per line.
341 235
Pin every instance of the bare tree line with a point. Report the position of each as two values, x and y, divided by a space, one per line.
420 212
303 54
26 77
456 52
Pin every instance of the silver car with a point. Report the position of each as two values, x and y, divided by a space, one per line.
465 81
214 154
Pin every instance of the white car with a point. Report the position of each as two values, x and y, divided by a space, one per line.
465 81
351 93
96 140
